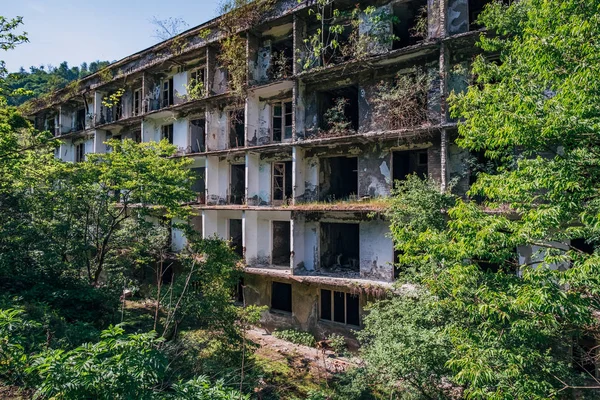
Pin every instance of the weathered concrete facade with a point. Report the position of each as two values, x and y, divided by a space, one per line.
296 195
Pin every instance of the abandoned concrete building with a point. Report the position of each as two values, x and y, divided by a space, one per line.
292 172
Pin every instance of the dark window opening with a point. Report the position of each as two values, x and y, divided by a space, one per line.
199 184
167 133
239 291
282 182
585 355
235 236
237 188
80 119
282 56
282 120
137 102
340 246
410 27
326 310
236 129
397 266
281 297
80 152
338 110
340 307
409 162
352 309
167 92
50 126
197 137
281 243
137 136
339 178
196 224
583 245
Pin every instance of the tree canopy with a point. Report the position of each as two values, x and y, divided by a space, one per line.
504 283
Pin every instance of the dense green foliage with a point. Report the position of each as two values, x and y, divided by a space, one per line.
46 79
473 319
296 337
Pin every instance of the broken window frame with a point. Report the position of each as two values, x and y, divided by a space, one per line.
232 121
278 167
194 73
332 307
200 146
136 106
282 121
166 132
80 152
167 92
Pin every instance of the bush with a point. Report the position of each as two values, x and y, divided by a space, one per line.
17 338
338 344
296 337
117 367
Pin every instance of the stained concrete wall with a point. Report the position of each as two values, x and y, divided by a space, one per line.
259 247
458 16
217 180
217 137
305 313
376 251
374 172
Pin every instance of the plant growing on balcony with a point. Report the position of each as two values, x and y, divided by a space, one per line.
403 102
335 117
113 99
195 89
237 16
328 44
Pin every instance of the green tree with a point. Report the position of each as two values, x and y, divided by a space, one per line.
510 329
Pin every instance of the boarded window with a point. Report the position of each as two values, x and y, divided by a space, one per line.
281 297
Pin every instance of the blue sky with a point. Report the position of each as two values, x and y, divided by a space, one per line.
78 31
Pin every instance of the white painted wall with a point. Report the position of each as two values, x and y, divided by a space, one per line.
180 81
376 250
264 181
180 133
218 135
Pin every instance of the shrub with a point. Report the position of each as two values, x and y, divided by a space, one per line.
296 337
17 338
119 366
337 343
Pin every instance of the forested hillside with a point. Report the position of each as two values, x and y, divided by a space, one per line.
45 79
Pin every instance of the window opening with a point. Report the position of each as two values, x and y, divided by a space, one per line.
281 243
340 307
167 133
340 247
281 296
282 121
235 235
282 182
237 129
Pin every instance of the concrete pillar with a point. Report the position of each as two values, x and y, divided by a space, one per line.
99 139
209 223
252 179
297 242
298 174
250 236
